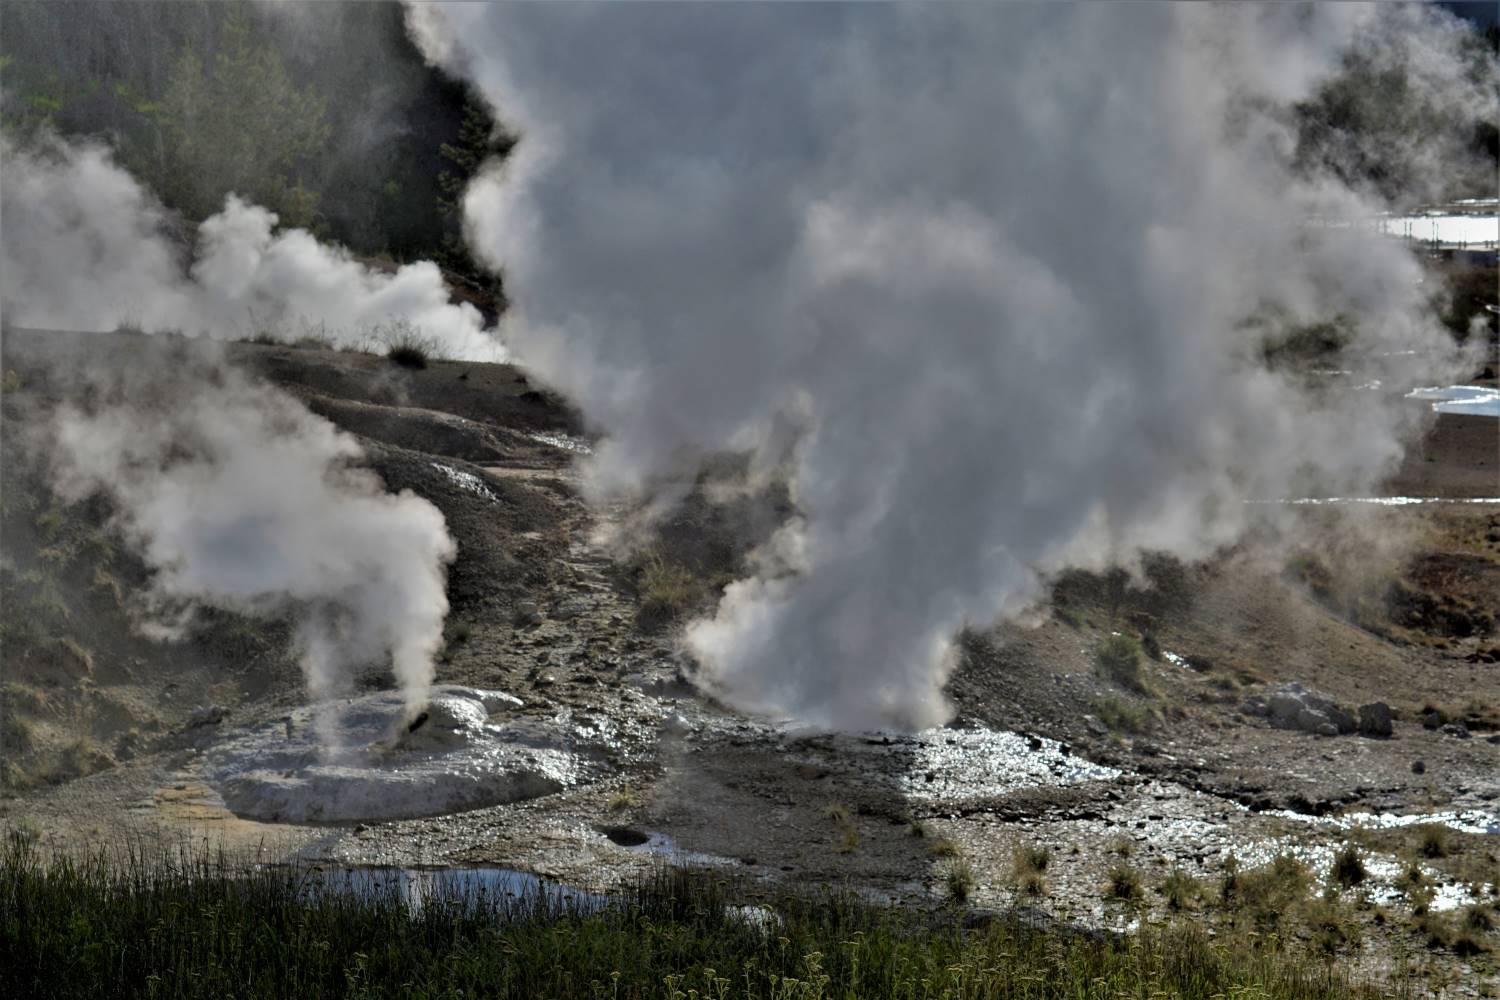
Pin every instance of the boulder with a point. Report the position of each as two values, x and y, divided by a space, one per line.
1375 720
207 715
1292 706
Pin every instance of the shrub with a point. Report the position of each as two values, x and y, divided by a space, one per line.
1348 867
1118 658
1122 716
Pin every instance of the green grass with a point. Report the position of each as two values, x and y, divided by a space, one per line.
165 926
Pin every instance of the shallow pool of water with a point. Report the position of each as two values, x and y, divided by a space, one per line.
1467 400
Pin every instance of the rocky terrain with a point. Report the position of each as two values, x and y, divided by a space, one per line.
1315 712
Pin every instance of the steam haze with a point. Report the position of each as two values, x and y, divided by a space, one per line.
239 498
85 249
975 278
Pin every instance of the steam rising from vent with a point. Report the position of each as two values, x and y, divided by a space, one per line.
241 499
85 249
989 283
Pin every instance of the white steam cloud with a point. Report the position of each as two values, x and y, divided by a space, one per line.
85 249
239 498
989 264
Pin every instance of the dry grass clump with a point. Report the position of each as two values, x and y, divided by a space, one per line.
958 879
1180 890
1432 840
1028 867
406 345
1118 659
848 834
622 799
1464 932
1348 868
944 847
1123 884
666 591
1120 715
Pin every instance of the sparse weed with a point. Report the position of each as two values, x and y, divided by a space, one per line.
836 811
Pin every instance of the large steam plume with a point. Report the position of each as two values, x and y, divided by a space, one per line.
991 263
239 498
85 249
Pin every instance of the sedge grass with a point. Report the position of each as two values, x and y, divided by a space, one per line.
144 924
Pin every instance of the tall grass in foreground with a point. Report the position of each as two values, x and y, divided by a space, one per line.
161 927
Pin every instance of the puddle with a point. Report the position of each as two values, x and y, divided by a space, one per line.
624 836
1384 882
565 442
358 759
1469 230
1379 501
466 481
963 765
497 888
1469 400
661 846
1462 821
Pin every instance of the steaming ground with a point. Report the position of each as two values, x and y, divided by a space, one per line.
191 737
993 288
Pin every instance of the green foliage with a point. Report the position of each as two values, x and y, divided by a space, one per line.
239 124
1118 658
133 923
1121 715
